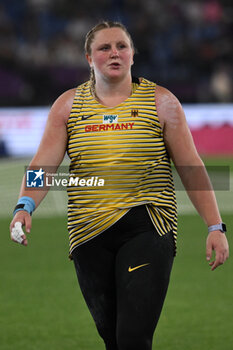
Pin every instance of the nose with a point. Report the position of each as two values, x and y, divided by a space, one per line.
114 52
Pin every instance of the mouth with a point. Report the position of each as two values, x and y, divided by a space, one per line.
114 65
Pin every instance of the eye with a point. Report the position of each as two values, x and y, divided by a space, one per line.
104 48
122 46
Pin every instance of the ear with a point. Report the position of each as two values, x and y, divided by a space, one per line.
132 61
89 59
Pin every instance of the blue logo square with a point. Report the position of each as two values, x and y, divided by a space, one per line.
35 178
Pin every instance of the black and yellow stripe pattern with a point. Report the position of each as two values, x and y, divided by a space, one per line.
124 146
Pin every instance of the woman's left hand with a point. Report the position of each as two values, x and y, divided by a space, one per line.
217 241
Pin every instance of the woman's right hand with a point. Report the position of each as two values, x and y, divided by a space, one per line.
21 218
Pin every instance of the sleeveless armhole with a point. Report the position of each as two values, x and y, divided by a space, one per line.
76 107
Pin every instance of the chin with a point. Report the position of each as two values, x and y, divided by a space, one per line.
115 75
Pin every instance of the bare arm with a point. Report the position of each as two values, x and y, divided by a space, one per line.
191 170
50 153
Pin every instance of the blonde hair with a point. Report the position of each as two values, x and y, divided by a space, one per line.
90 38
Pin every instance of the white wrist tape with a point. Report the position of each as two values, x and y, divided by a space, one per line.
17 232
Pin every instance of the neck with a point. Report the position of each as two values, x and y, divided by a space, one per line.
111 93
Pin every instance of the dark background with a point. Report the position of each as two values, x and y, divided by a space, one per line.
185 46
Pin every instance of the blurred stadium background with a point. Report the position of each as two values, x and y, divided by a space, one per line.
185 46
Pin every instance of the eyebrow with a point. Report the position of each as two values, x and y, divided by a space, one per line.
109 43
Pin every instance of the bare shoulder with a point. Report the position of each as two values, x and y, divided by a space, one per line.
176 133
168 107
61 108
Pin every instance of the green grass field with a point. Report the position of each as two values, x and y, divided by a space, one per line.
41 306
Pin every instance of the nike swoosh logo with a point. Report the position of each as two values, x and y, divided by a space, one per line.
130 269
84 117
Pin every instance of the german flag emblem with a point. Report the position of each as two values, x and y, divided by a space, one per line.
134 113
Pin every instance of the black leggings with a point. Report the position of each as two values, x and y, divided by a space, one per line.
124 274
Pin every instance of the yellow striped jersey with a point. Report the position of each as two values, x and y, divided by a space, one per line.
118 160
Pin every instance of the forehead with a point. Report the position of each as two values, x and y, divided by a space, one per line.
110 34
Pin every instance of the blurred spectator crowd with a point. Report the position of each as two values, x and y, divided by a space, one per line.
185 46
